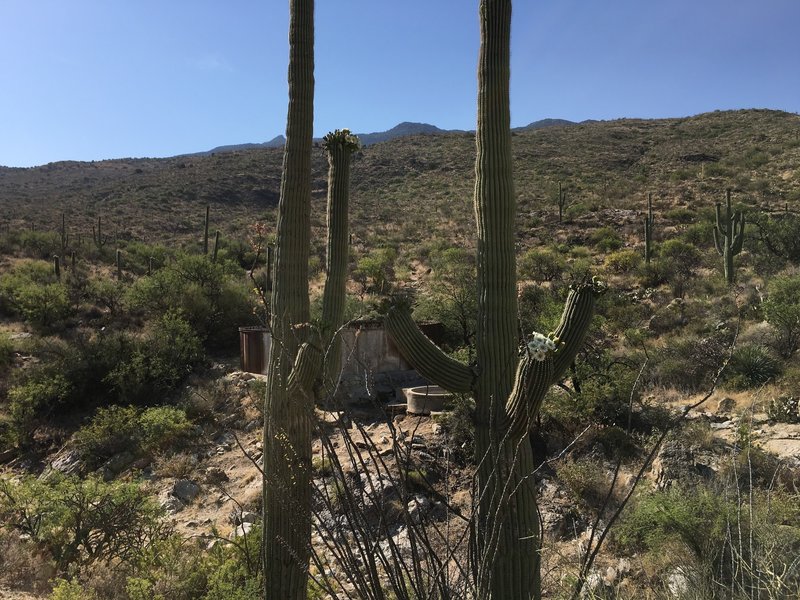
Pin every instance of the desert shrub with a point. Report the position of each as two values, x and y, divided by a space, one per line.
30 400
606 239
585 480
207 294
680 214
158 362
116 429
31 291
107 293
780 235
538 309
375 271
689 363
40 244
784 409
65 589
679 260
751 366
542 264
78 522
782 310
623 261
458 428
6 351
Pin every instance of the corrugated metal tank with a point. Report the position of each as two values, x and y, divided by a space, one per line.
255 342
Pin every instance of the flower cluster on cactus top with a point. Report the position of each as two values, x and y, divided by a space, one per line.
539 345
343 138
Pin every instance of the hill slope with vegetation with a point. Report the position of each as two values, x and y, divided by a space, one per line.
118 336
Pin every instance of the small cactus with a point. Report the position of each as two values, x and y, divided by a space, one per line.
648 230
728 236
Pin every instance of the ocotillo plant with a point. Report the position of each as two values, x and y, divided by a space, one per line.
508 389
648 230
339 145
728 236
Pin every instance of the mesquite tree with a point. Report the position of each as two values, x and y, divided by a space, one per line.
728 236
509 379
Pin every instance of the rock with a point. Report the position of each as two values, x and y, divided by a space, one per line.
171 505
216 476
116 465
68 462
418 506
242 530
249 517
726 405
185 490
678 583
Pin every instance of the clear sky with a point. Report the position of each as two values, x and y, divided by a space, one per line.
95 79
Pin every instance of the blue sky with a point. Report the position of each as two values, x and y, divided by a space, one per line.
95 79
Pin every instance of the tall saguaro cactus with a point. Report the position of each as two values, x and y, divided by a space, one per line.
728 236
297 354
509 384
339 145
289 403
648 230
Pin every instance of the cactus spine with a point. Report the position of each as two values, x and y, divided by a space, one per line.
648 230
508 389
728 236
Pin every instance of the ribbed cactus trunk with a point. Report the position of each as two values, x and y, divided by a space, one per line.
288 409
508 390
728 236
508 519
340 145
648 230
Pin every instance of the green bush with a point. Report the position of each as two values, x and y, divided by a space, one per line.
31 291
6 351
78 522
29 400
606 239
542 264
117 429
782 310
681 214
210 296
623 261
158 362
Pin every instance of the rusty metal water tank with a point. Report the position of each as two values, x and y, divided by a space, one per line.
254 342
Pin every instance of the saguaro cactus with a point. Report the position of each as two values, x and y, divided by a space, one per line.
562 202
289 402
119 264
97 234
57 266
205 231
509 380
648 230
339 145
728 236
